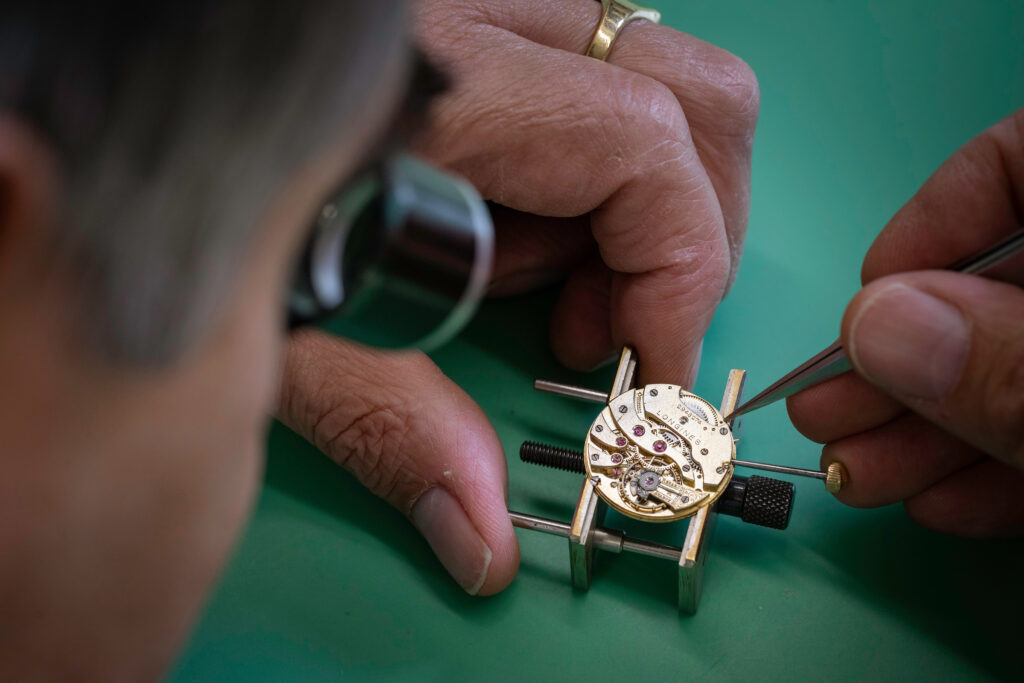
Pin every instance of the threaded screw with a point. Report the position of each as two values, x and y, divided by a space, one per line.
552 456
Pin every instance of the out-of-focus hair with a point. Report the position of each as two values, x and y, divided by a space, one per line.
174 124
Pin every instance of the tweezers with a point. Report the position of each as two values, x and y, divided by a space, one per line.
833 361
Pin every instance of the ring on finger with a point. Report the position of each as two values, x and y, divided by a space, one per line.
614 17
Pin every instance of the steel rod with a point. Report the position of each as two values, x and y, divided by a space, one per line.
571 391
651 549
605 539
547 526
782 469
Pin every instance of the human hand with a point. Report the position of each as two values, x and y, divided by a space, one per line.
934 415
629 177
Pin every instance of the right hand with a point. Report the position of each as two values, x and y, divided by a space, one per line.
934 416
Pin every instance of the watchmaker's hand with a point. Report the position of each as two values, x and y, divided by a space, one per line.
631 177
411 436
949 347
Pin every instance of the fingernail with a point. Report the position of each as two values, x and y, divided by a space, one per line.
453 538
909 342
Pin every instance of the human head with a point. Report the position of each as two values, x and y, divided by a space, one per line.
159 163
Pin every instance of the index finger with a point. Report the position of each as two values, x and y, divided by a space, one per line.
970 202
973 200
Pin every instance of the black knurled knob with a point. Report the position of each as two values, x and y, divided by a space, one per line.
552 456
768 502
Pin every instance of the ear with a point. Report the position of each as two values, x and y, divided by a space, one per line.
29 194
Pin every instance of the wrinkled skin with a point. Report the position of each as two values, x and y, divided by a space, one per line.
927 421
629 179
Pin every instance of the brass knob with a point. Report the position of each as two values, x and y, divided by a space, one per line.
836 478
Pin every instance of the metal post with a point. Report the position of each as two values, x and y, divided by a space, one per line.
590 509
702 525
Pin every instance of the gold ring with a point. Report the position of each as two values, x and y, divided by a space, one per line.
616 14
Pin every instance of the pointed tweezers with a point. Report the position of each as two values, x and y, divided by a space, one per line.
833 361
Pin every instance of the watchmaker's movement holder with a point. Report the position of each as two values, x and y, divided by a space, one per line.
661 472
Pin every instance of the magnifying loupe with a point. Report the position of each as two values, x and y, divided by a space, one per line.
400 258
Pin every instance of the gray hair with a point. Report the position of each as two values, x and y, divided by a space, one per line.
175 123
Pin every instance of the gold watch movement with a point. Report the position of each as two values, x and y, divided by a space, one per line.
659 453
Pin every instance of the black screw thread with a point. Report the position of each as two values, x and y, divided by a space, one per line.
552 456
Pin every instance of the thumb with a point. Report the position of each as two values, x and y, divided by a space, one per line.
949 346
411 436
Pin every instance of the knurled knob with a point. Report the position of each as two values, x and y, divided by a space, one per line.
768 502
836 477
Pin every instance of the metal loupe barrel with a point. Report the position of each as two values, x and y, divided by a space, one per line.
401 259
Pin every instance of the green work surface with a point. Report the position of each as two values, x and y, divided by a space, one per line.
860 102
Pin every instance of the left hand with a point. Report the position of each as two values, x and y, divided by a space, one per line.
631 178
